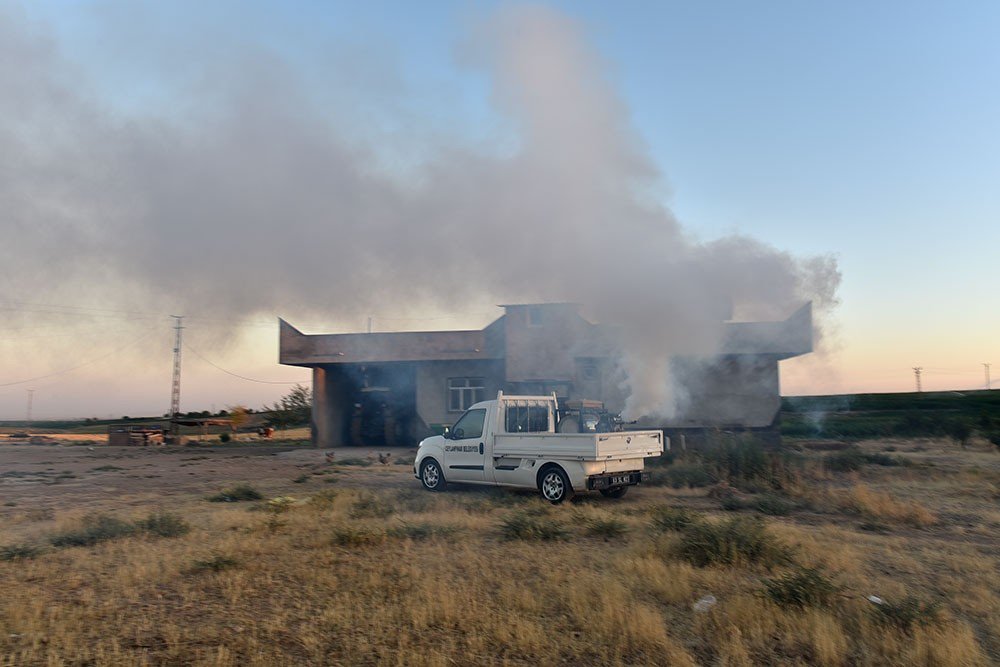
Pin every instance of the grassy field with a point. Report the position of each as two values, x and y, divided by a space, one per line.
355 564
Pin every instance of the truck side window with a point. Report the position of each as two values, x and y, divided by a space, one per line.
470 424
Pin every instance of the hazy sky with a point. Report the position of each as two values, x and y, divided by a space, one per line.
866 131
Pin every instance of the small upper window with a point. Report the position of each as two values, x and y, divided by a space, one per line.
534 316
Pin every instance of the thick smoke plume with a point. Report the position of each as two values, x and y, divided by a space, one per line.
254 200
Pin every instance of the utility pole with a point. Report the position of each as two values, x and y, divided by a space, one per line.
31 398
917 370
370 322
986 367
175 392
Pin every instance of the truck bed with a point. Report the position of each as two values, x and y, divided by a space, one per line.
580 446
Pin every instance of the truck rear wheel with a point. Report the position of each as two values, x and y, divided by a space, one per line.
554 485
616 492
431 475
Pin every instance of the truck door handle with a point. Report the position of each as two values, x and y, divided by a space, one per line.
480 449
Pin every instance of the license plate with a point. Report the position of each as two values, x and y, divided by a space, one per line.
620 480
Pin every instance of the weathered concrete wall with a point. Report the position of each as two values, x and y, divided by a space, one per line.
330 407
432 386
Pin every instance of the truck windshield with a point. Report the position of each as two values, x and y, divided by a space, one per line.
469 425
527 419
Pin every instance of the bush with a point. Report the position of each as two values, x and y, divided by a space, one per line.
372 507
746 464
805 587
848 460
609 528
741 540
235 494
224 437
853 459
773 505
354 462
215 564
908 613
22 551
355 536
673 518
300 479
94 528
164 524
689 475
421 531
526 526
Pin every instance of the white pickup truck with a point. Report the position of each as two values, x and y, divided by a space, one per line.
512 441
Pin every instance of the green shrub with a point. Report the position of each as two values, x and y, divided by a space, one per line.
94 528
371 506
731 503
673 518
215 564
908 613
689 475
773 505
24 551
854 458
164 524
523 525
300 479
848 460
746 464
740 540
356 536
354 462
610 528
224 437
804 587
421 531
234 494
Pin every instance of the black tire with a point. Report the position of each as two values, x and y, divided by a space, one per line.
617 492
553 484
431 475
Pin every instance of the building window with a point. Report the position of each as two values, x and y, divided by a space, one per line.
534 316
464 392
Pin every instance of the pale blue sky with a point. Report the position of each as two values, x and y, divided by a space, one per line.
866 130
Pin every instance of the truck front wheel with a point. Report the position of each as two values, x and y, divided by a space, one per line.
554 485
431 476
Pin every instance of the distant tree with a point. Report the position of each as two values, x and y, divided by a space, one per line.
959 431
125 418
223 413
294 408
239 416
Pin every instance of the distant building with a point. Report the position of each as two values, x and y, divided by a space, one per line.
395 388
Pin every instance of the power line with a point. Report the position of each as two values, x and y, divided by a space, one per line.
236 375
86 363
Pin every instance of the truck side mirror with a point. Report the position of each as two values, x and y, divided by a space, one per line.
457 434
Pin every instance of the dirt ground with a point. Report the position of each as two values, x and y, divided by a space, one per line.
58 476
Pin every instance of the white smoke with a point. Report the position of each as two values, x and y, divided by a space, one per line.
255 201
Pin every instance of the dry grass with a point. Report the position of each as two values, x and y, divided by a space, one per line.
402 577
878 505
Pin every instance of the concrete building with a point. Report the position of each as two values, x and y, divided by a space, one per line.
395 388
